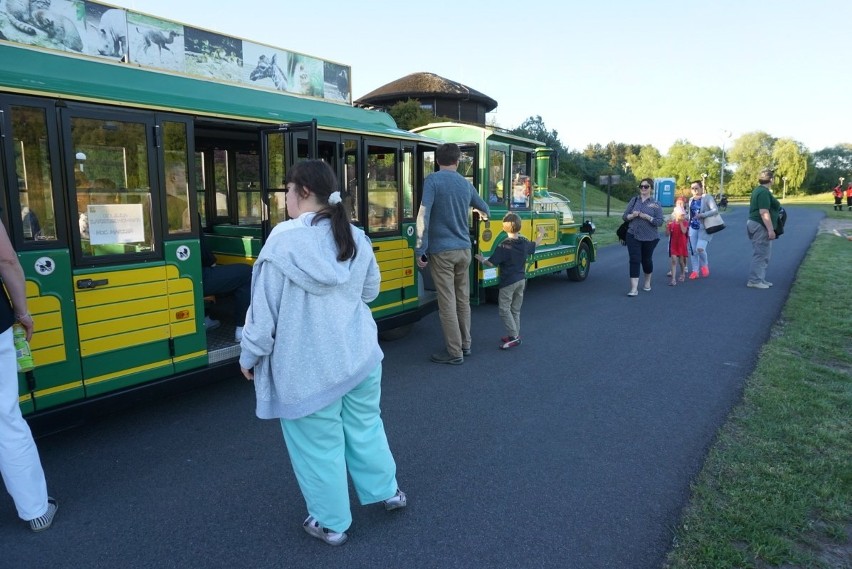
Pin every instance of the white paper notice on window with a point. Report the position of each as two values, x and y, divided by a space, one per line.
116 223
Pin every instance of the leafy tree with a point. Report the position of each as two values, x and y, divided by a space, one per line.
830 164
645 163
534 128
409 114
752 152
683 163
791 160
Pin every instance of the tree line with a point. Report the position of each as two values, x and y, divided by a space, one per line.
805 172
798 171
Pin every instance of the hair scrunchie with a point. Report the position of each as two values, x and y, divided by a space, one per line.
334 198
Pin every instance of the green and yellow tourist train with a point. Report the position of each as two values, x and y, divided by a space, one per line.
116 159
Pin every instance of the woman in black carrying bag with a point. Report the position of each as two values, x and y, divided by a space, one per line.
645 216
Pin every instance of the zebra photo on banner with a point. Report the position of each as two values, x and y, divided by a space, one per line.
286 71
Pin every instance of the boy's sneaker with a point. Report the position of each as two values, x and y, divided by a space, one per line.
396 501
505 339
705 271
466 352
315 529
516 341
44 521
757 285
445 358
693 275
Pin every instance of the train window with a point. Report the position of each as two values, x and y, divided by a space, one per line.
467 164
382 189
350 175
408 177
112 186
200 184
521 181
248 188
275 163
496 176
32 165
429 164
221 182
176 156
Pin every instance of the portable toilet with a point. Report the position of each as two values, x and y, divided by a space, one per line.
664 191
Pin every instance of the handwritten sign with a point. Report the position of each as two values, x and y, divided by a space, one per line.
116 223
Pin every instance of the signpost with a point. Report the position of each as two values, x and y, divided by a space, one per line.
608 180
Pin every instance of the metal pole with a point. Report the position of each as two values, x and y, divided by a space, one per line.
726 135
609 192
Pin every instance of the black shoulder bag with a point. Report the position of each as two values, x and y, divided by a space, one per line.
621 232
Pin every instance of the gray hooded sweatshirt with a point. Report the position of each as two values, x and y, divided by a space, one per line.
309 334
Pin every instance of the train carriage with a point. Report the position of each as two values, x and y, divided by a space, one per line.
511 173
111 170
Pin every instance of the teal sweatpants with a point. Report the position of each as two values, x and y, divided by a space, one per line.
347 433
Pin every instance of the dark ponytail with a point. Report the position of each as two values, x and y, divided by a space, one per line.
320 179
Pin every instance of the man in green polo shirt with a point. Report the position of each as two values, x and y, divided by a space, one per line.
762 220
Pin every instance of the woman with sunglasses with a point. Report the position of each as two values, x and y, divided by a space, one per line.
700 207
645 216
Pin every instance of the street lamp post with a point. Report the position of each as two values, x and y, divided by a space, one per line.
704 181
727 134
784 195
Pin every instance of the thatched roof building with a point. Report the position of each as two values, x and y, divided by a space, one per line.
444 97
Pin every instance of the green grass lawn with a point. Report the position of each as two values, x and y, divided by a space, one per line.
776 488
595 205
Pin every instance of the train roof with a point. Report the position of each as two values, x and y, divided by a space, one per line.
477 130
36 71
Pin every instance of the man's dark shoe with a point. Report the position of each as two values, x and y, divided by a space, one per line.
466 351
445 358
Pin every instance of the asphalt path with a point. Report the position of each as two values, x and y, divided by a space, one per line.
574 450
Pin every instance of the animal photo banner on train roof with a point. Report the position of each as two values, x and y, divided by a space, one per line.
107 32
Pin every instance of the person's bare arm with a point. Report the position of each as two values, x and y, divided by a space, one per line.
13 277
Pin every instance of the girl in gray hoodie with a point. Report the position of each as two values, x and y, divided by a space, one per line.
310 344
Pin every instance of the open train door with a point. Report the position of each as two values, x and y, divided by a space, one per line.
278 150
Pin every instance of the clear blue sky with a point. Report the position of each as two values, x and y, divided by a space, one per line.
633 71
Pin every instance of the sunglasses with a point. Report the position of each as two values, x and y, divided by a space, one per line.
644 186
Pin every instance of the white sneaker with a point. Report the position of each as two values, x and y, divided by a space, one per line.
757 285
314 528
397 501
238 334
211 324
